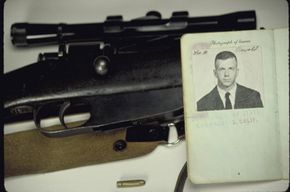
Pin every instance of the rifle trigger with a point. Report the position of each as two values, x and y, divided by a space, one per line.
36 118
62 110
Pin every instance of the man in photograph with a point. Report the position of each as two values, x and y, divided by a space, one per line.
228 94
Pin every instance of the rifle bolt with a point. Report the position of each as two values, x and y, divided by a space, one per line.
101 65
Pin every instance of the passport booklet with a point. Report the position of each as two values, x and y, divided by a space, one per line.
236 105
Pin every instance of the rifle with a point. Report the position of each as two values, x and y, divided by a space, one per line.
125 74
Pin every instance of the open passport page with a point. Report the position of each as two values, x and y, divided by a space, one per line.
236 105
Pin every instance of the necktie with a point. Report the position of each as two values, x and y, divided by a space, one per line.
228 101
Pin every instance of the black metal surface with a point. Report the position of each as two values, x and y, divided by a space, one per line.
75 76
153 132
137 110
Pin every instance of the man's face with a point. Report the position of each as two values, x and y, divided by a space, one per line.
226 72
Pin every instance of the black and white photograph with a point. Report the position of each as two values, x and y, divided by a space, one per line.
234 78
145 96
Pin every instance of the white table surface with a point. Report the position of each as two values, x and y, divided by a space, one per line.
161 167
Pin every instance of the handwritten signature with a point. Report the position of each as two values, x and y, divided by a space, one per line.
248 49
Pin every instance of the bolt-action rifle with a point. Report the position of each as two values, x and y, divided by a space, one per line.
124 74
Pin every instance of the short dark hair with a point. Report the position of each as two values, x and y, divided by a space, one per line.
224 55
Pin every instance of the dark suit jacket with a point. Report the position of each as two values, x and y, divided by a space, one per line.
245 98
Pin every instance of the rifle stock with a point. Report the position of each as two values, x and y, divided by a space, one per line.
30 152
